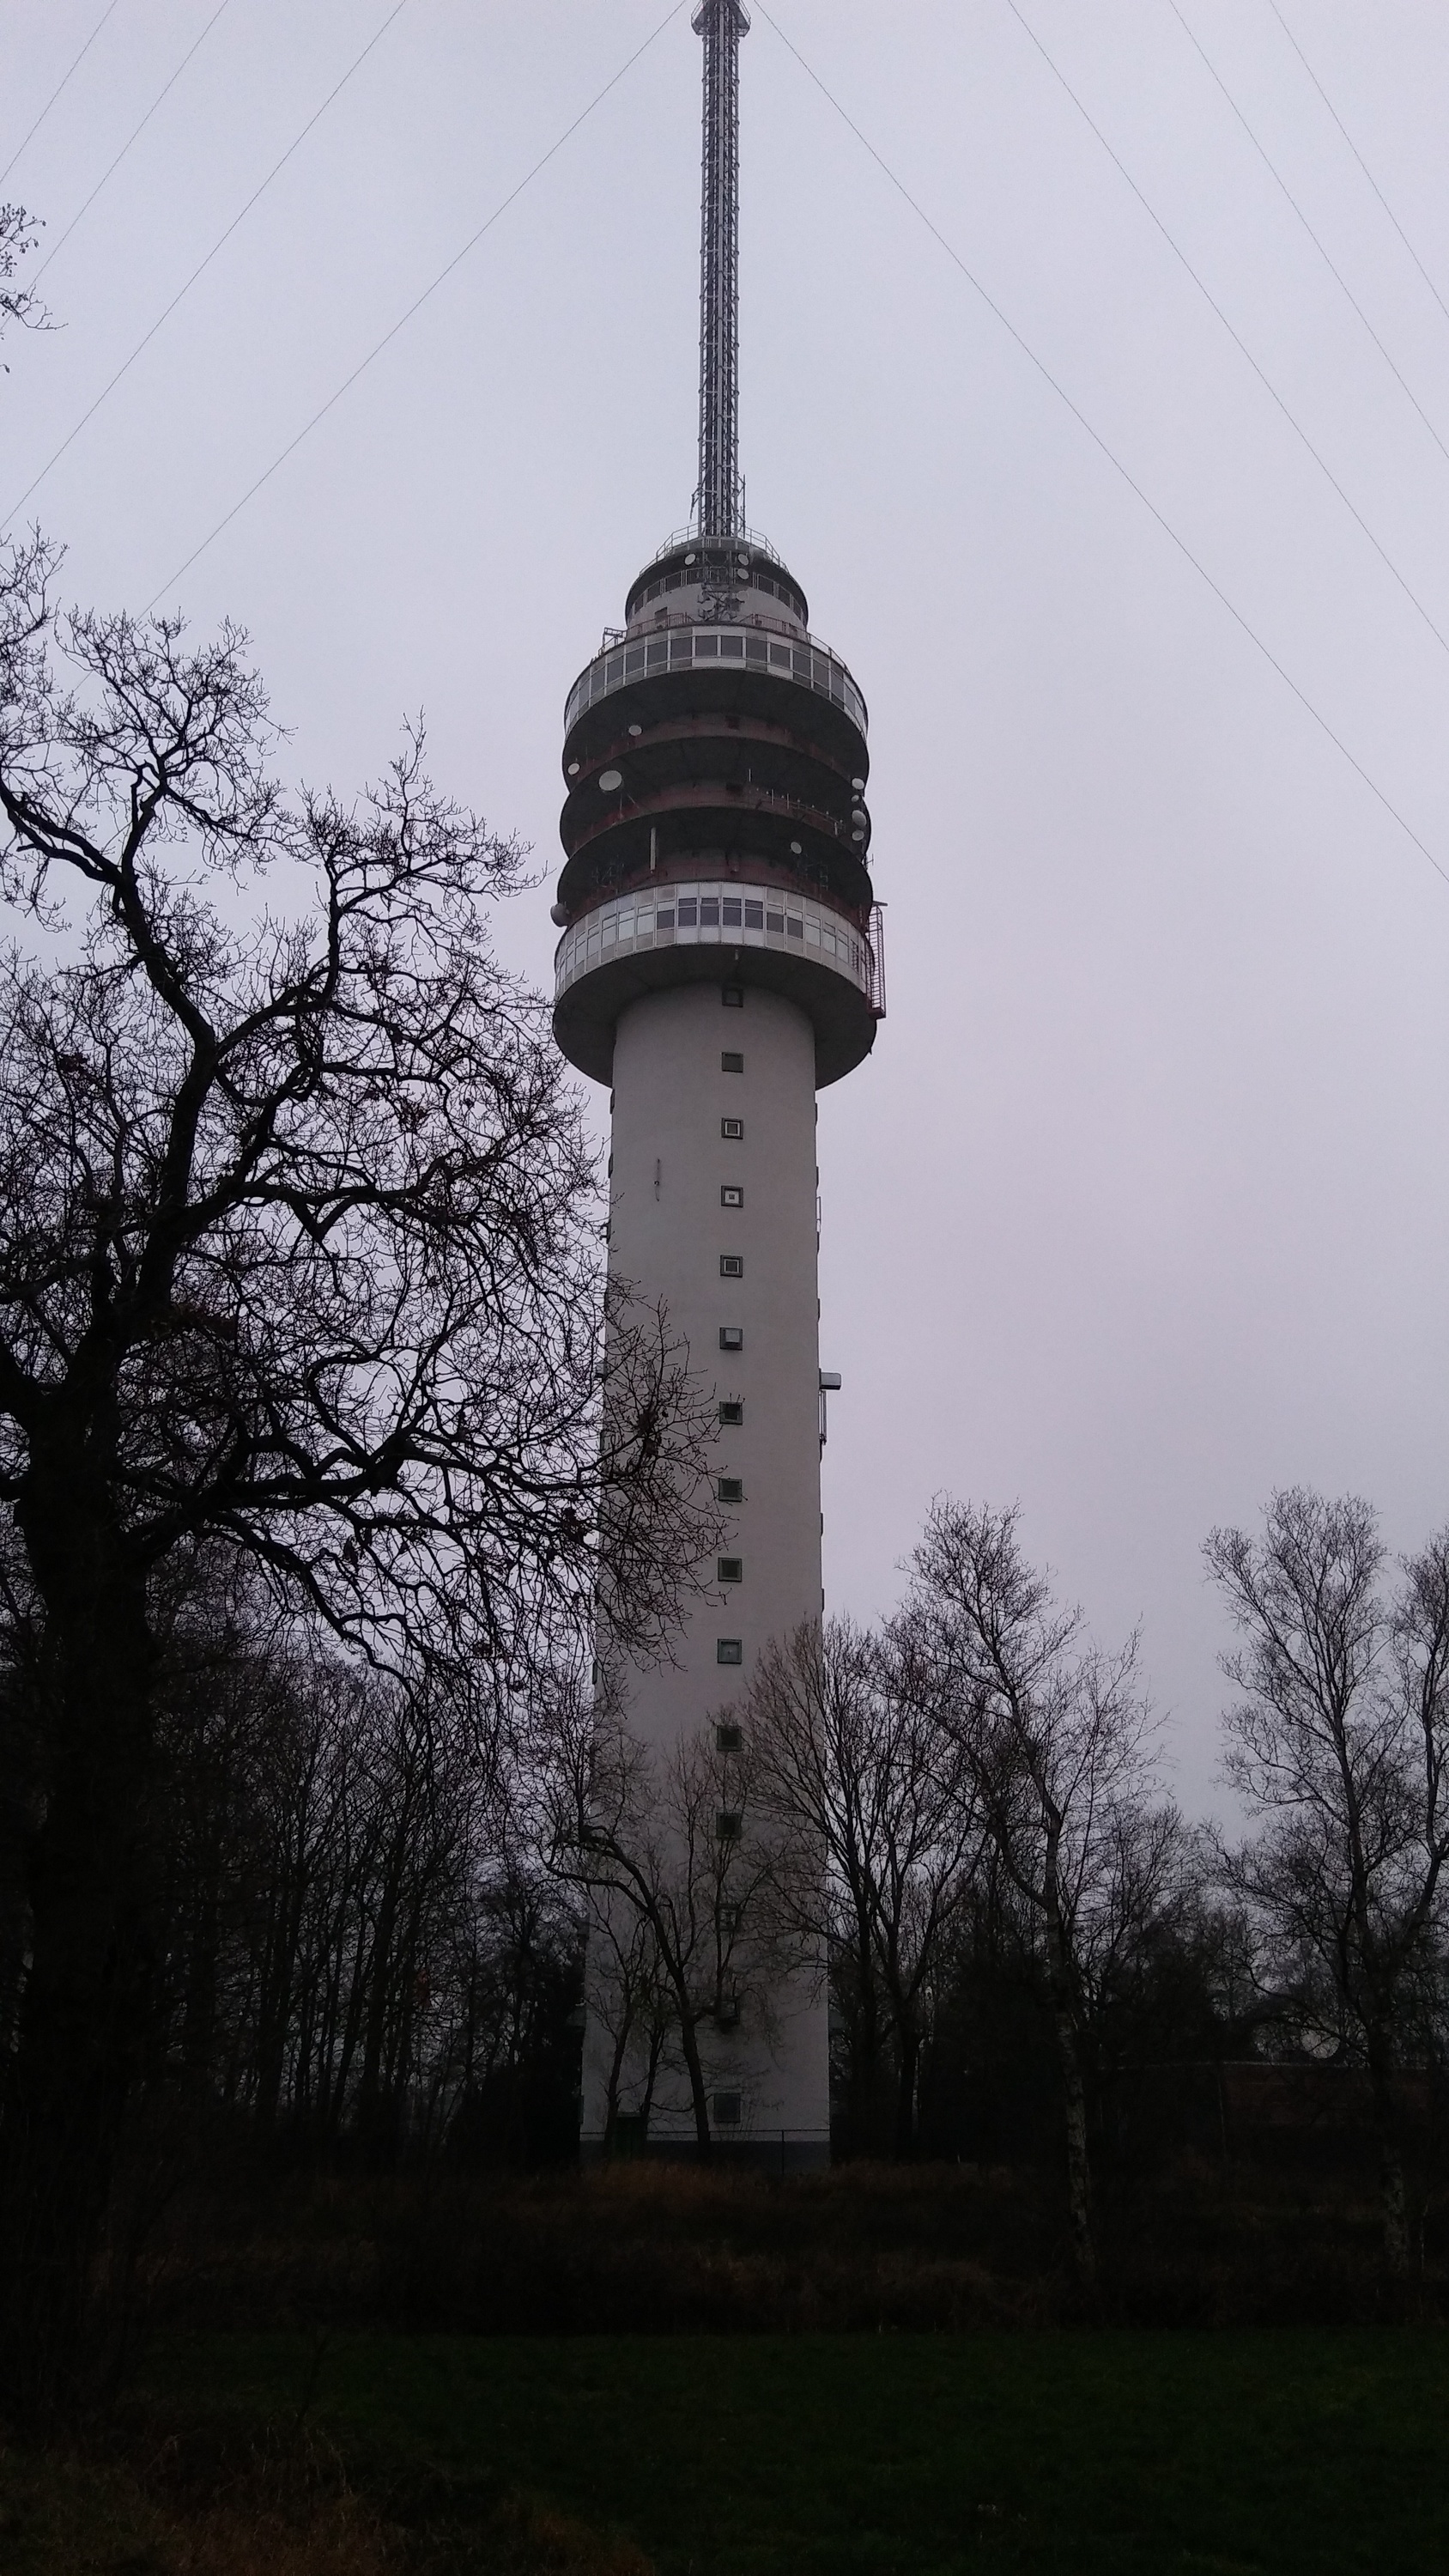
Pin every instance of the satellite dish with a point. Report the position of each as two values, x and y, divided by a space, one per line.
609 779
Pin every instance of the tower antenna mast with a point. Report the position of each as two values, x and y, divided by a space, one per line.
718 506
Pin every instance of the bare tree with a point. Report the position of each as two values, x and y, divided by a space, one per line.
878 1818
298 1255
673 1842
1055 1736
1337 1744
18 235
628 1997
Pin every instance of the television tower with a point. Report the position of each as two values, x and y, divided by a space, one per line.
719 960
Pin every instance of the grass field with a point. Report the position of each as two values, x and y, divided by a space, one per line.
1106 2454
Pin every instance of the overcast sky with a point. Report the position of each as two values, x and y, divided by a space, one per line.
1140 1207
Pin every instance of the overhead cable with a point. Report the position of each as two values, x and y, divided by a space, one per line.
1239 343
1334 273
55 93
193 47
1099 442
419 301
219 244
1358 156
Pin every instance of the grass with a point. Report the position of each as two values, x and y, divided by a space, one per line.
1106 2454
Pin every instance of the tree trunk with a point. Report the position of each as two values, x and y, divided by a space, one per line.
689 2041
1079 2171
1393 2199
82 2023
908 2042
616 2069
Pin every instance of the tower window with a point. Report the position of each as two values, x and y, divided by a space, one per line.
733 996
729 1738
709 912
731 1415
731 1195
730 915
731 1062
732 1129
729 1824
727 2110
795 928
775 921
730 1489
688 912
729 1650
731 1337
754 916
729 1569
731 1265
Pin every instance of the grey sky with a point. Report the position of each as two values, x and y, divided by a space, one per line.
1141 1206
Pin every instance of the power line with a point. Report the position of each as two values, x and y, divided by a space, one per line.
219 244
1358 156
1334 273
1239 343
417 305
55 93
1098 441
131 138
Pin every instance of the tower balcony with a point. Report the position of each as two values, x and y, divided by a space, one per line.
719 929
735 670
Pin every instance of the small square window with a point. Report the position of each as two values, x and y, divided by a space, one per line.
732 1129
727 2110
732 1416
731 1061
731 1337
729 1489
731 1195
729 1650
729 1738
754 916
729 1824
733 996
731 1265
729 1569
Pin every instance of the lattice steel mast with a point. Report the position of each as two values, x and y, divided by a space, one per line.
718 502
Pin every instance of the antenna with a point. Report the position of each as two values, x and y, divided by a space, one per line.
718 502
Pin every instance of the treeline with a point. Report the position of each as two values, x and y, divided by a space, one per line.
961 1812
375 1925
346 1955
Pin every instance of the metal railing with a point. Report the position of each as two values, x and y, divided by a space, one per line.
685 646
719 912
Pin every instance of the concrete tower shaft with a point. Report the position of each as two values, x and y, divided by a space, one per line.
719 960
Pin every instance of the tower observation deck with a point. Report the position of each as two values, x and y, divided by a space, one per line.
719 960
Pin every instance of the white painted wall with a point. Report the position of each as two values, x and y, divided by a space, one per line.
668 1230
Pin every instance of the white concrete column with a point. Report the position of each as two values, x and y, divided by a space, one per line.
715 1166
